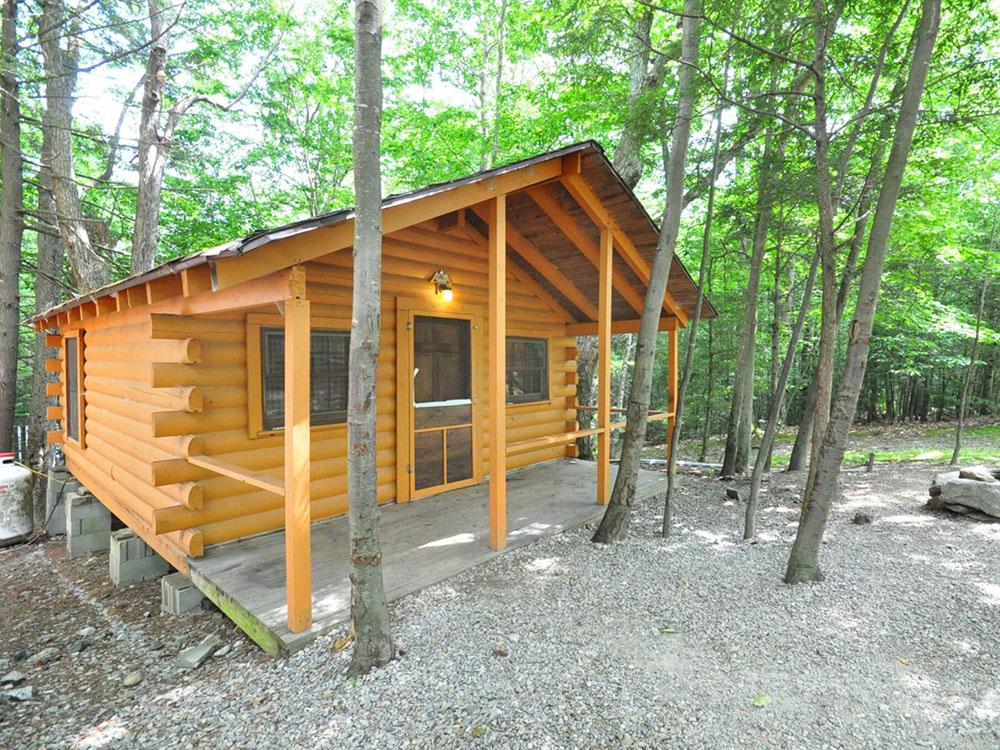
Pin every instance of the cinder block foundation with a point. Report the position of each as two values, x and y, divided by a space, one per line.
88 525
178 595
132 560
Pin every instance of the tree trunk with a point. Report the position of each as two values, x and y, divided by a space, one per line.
586 369
706 253
48 286
89 269
373 645
803 562
11 223
643 80
153 151
767 441
963 402
737 451
803 438
614 524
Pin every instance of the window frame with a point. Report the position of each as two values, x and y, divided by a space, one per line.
256 322
81 398
530 399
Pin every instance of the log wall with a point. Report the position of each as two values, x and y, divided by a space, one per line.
162 387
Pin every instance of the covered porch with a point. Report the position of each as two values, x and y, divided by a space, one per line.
423 543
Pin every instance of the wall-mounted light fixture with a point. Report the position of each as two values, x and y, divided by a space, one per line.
442 285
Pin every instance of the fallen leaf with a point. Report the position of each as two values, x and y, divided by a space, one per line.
904 662
479 730
761 700
667 630
341 643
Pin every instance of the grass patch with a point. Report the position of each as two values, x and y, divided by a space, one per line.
859 458
992 430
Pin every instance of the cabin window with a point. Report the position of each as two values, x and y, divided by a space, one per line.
74 415
327 376
527 370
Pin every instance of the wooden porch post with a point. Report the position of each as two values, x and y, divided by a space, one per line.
498 372
673 364
298 556
604 368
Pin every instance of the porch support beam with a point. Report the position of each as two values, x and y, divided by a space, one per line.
496 215
673 366
298 553
604 368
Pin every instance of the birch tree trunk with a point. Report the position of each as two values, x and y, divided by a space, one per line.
89 270
803 562
614 525
964 400
11 223
373 645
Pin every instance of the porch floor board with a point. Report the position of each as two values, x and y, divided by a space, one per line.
423 542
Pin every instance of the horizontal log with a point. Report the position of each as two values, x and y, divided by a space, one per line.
163 326
180 398
167 423
54 437
185 351
167 375
53 365
53 340
54 412
53 389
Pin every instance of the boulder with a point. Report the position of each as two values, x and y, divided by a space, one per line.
979 474
977 498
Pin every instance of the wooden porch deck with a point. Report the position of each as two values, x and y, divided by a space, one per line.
423 542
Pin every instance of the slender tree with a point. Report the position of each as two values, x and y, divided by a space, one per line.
11 222
614 525
803 562
373 645
973 359
61 66
706 260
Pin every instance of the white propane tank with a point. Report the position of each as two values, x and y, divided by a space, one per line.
16 520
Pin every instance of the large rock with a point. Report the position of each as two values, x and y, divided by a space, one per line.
979 473
973 497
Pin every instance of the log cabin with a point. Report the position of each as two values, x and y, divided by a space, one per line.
172 398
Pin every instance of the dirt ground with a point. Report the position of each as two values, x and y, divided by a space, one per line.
48 601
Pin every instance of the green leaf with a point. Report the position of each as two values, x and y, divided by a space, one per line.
761 700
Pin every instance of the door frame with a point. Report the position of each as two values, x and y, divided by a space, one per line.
406 309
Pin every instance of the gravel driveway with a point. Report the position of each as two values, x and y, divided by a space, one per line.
648 643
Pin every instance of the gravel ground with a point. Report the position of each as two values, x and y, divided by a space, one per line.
647 643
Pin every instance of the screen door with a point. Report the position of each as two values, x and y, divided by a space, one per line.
442 403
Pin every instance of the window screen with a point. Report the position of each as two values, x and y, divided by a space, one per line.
73 388
527 370
327 376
